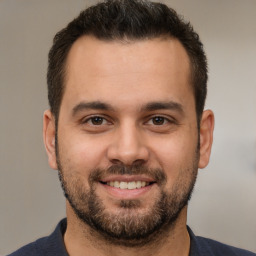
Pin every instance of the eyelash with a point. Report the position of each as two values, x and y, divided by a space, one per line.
164 120
90 119
151 119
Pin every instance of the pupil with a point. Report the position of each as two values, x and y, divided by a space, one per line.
97 120
158 120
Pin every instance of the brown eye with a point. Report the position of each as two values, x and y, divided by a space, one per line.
158 120
97 120
95 124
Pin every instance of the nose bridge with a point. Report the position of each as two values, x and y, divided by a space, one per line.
128 145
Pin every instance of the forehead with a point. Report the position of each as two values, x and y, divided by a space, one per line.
166 52
149 68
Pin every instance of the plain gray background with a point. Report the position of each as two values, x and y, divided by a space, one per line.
223 206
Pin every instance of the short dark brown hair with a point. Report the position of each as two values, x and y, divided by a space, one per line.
122 20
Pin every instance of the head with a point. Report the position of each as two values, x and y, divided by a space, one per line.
127 20
126 128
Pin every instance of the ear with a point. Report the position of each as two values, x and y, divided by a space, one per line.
49 138
206 137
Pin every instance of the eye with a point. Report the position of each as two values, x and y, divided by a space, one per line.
158 120
161 123
95 121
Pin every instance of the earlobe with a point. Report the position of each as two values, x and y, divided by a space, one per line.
206 137
49 138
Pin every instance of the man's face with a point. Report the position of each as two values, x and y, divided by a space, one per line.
127 139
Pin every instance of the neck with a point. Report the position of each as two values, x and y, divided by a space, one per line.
81 240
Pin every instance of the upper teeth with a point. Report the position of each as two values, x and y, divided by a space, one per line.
128 185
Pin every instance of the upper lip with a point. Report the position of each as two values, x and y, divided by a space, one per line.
127 178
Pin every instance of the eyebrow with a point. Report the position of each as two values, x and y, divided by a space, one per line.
97 105
151 106
170 105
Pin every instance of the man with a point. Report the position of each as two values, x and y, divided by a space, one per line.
127 131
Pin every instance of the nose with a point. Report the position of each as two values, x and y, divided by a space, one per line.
128 146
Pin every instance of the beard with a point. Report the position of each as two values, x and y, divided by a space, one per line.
130 226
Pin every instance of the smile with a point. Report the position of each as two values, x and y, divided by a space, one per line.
128 185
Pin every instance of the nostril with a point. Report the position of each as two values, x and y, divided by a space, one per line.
116 161
128 152
139 162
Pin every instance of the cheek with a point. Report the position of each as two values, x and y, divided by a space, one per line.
81 152
175 154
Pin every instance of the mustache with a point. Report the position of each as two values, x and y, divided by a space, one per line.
157 174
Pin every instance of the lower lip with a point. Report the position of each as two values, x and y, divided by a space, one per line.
128 193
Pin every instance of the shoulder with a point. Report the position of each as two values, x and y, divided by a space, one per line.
34 248
52 245
218 248
205 246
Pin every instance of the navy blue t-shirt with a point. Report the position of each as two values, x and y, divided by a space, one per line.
53 245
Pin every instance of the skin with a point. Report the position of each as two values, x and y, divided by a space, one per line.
127 77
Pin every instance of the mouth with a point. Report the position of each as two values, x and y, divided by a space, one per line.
130 185
127 186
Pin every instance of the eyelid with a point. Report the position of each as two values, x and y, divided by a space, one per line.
108 120
86 119
169 119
